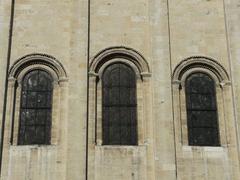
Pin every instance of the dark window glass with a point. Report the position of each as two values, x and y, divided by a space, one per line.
202 116
119 105
36 107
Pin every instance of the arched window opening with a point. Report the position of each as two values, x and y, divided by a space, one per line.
119 105
202 117
36 108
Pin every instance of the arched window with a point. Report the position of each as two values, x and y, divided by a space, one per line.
119 105
202 118
36 108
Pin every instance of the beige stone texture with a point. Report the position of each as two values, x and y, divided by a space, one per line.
232 16
153 37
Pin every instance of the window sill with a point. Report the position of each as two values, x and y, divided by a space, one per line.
120 146
32 147
203 148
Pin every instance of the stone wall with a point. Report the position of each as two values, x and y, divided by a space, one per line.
163 33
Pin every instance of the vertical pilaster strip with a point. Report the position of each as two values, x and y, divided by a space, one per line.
88 67
171 71
231 78
6 79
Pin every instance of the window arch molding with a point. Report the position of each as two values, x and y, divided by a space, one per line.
118 60
43 61
19 69
98 64
130 56
213 69
200 63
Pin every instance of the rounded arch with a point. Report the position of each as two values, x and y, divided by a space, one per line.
35 60
201 64
128 54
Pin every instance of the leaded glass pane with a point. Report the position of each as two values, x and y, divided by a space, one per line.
28 116
31 99
119 105
201 110
41 117
36 108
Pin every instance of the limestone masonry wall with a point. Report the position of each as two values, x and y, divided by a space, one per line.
155 37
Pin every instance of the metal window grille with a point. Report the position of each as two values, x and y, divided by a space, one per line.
119 105
36 108
202 118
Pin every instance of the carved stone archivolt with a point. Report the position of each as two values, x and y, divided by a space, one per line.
38 59
200 63
130 56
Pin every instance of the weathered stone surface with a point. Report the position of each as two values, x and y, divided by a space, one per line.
161 32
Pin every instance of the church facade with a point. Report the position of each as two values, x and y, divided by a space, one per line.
120 90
